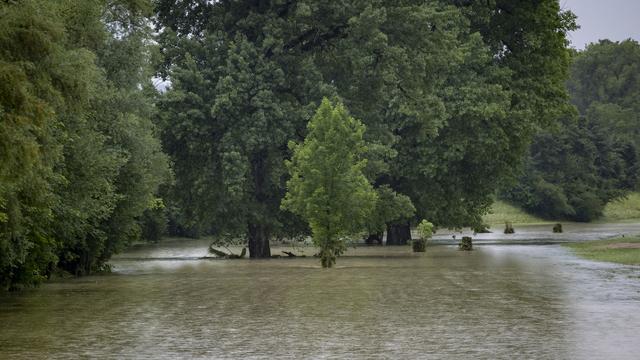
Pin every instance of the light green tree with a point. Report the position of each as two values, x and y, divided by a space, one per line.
327 186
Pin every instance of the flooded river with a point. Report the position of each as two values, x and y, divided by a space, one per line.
501 301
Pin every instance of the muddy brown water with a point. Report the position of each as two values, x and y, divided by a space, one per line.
501 301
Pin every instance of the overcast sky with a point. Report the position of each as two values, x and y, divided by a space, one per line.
604 19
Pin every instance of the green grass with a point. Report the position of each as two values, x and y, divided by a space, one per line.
602 250
623 210
502 212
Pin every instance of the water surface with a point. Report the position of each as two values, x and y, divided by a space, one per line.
499 301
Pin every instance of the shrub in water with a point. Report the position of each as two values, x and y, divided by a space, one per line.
465 244
508 228
425 231
557 228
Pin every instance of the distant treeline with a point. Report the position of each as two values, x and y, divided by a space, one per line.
588 158
93 157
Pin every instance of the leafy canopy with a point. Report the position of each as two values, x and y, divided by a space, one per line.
327 185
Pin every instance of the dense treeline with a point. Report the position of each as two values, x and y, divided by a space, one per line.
79 160
590 157
450 92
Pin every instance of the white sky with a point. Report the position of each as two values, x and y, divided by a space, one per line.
604 19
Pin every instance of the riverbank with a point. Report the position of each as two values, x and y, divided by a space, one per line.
620 211
622 250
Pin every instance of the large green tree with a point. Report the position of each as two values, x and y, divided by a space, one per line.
82 161
233 64
451 93
328 187
32 73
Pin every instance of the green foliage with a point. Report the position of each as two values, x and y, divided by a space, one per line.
425 230
79 152
154 222
625 209
450 95
390 208
510 83
573 171
32 77
327 186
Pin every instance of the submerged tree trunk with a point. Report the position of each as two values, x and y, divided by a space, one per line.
374 239
258 224
398 234
259 241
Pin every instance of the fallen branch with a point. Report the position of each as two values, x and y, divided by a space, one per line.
225 255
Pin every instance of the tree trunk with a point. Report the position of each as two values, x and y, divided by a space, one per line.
258 225
398 234
374 239
259 241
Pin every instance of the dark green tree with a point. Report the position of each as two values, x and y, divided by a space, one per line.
82 161
451 93
32 77
574 170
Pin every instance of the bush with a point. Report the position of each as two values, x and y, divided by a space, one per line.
466 244
557 228
508 228
425 231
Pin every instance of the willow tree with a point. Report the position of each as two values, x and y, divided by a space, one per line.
79 159
328 187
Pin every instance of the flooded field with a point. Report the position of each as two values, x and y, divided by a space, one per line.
500 301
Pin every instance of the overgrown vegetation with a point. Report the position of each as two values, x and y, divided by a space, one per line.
80 161
451 94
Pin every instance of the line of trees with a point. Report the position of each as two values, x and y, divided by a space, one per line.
80 160
590 157
451 93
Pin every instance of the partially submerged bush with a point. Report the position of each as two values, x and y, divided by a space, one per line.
508 228
466 244
425 231
557 228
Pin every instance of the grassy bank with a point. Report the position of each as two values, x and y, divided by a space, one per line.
502 212
623 210
624 250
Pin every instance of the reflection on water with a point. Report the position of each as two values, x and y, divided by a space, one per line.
499 301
